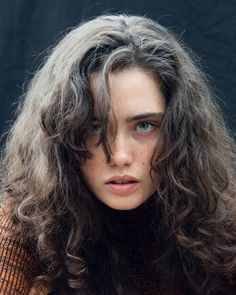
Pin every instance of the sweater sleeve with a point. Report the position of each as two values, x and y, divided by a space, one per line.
17 265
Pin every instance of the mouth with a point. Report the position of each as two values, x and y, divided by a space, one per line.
122 181
122 184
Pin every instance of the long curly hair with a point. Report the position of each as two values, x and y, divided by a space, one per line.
41 180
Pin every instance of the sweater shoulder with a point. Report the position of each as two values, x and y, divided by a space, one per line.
18 266
6 224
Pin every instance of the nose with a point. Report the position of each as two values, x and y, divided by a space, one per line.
122 152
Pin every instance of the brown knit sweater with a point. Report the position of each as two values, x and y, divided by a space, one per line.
18 267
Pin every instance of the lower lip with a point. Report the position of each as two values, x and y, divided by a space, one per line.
122 188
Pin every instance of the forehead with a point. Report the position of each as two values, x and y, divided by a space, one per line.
132 91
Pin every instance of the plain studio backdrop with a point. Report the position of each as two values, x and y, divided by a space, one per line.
29 27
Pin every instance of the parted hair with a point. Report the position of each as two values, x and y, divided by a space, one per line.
42 184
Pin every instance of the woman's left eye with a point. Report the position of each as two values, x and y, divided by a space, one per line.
144 127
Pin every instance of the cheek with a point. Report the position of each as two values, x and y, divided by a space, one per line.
93 166
148 152
86 168
146 157
91 172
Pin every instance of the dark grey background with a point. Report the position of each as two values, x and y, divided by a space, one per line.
29 27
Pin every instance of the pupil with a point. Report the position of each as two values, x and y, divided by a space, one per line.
95 128
144 125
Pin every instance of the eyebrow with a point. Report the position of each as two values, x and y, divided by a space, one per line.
159 116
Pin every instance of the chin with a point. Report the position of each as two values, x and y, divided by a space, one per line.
123 204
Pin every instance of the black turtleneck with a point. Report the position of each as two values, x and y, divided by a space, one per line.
135 236
127 258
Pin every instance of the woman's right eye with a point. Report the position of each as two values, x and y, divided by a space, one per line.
95 128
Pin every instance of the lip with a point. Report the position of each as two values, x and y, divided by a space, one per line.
121 178
122 188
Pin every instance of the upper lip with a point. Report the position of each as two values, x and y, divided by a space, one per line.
124 178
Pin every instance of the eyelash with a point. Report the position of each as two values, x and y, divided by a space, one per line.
151 127
94 125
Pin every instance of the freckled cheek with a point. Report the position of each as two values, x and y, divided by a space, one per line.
93 166
145 155
144 159
148 151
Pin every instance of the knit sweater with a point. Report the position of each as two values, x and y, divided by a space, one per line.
134 237
18 267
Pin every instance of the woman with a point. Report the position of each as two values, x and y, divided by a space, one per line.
118 175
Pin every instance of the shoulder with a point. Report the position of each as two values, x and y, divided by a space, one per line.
6 228
18 265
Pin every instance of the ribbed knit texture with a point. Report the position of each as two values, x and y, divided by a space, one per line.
17 265
133 235
133 231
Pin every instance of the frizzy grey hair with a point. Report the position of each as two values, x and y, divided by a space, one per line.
41 179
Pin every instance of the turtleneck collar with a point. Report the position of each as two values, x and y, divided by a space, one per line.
136 225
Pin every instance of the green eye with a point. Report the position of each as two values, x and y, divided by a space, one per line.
95 128
144 127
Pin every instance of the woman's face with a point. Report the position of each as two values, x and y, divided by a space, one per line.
138 106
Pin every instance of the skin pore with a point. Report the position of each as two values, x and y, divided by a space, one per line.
138 105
